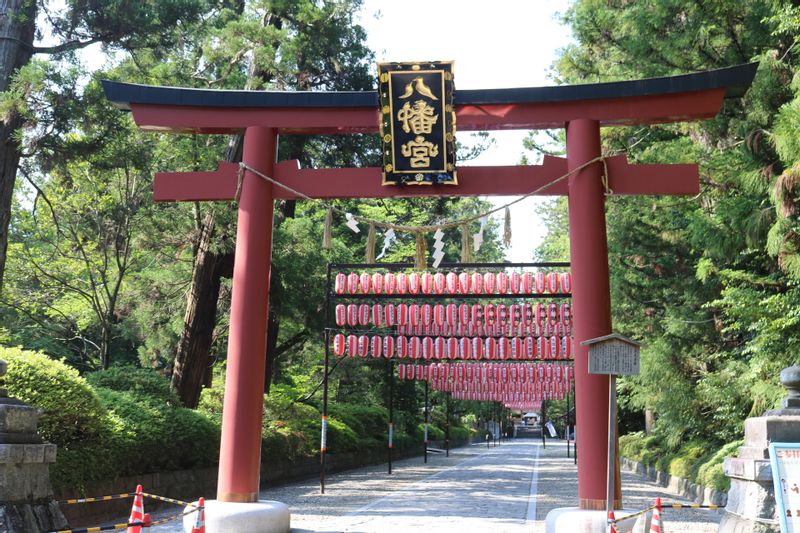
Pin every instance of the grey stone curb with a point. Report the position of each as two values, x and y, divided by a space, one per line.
678 485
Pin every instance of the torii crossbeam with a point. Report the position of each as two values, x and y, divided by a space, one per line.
262 116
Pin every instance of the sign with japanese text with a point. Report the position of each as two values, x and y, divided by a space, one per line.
614 357
417 123
785 460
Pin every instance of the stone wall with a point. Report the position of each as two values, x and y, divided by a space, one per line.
188 485
678 485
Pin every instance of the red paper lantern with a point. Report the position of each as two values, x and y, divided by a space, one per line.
414 347
413 283
552 283
352 345
419 371
451 315
477 283
389 282
402 314
477 348
402 283
401 371
490 348
341 315
439 283
489 314
463 314
542 348
426 314
464 348
489 283
452 348
438 316
555 347
502 282
566 282
530 348
364 282
413 315
502 348
340 285
527 283
390 315
515 282
553 313
428 348
363 345
338 345
566 347
439 348
376 346
516 348
464 284
377 283
363 314
388 347
502 314
451 283
377 315
352 283
426 282
352 315
401 347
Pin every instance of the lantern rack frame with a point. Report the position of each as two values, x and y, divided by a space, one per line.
331 297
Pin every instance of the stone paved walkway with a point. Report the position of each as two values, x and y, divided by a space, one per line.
505 489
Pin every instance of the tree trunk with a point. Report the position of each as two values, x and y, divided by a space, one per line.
191 359
17 25
272 326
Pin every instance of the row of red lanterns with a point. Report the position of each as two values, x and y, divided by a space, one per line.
489 314
501 397
512 388
523 406
548 329
486 372
452 283
476 348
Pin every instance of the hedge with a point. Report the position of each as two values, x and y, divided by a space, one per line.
697 461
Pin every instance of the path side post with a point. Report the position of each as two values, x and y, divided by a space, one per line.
240 447
591 304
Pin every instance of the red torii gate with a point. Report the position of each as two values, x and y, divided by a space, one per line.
262 116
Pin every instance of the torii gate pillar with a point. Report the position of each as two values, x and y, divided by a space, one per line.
240 447
591 307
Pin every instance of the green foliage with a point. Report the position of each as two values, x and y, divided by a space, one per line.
72 411
146 384
696 460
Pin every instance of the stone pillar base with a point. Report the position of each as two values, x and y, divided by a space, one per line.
232 517
31 517
575 520
732 523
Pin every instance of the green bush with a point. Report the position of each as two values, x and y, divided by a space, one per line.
434 433
366 421
341 437
631 446
72 411
153 437
145 383
460 433
710 473
688 459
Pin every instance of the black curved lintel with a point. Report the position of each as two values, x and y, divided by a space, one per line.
735 80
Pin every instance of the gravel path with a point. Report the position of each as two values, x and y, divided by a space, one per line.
505 489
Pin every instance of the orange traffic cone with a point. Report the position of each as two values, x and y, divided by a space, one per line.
137 511
147 522
612 522
656 525
200 522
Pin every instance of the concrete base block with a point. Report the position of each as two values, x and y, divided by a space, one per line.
574 520
230 517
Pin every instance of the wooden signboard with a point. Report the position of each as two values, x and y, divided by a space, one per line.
613 355
417 123
785 459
